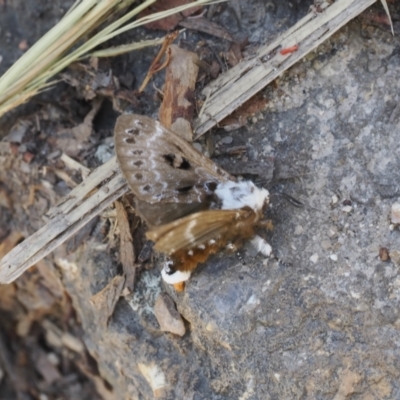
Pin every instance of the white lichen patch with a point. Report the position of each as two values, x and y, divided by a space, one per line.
153 375
147 290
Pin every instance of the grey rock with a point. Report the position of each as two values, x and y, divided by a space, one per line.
227 140
293 329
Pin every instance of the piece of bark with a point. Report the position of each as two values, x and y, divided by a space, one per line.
177 108
126 250
167 316
106 300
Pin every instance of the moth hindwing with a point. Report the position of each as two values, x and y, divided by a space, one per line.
160 166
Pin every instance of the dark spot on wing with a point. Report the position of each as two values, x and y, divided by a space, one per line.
138 163
179 148
132 131
139 176
130 140
172 160
137 152
146 188
211 186
169 158
184 189
184 164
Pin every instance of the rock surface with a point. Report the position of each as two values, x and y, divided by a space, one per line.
324 321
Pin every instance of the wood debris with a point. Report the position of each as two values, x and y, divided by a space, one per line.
157 65
126 250
177 108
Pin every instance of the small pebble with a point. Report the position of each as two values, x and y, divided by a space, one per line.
326 244
395 214
167 315
332 232
395 257
314 258
227 140
334 199
347 209
298 230
333 257
384 254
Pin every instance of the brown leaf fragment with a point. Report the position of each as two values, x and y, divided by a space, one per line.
10 242
202 24
126 249
105 300
239 117
45 368
177 108
168 23
167 316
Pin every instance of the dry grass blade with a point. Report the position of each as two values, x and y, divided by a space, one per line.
385 6
126 48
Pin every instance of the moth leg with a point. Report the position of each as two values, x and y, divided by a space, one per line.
261 245
231 247
179 287
265 224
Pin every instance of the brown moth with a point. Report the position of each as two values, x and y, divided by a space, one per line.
193 206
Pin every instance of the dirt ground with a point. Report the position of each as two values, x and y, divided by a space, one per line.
320 321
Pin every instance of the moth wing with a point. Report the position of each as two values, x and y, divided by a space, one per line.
198 229
161 166
157 215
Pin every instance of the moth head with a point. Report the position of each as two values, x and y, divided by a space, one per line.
242 194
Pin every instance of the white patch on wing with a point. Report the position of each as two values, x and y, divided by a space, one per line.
188 231
176 277
235 195
261 245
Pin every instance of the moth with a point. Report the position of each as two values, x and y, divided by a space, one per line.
193 207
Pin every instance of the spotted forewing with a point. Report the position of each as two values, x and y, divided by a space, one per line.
160 166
